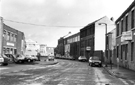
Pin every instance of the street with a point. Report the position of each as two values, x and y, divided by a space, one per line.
65 72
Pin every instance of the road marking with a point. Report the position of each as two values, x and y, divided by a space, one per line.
124 81
132 81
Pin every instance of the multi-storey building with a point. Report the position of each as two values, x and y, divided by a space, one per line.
125 37
12 41
92 36
60 47
32 47
43 51
50 51
72 46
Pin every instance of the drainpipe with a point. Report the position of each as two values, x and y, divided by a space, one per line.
1 34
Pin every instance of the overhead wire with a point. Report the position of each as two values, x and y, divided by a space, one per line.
39 24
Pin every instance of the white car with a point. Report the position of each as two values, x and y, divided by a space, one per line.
82 58
95 61
51 58
31 58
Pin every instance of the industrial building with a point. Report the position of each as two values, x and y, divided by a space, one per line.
125 37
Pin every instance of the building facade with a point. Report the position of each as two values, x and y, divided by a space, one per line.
43 51
13 41
125 37
50 51
32 47
111 47
92 36
72 46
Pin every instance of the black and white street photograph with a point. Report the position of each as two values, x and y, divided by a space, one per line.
67 42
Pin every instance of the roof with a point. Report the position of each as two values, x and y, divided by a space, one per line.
93 22
126 11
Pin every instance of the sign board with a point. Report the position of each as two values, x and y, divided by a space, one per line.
88 48
126 36
10 44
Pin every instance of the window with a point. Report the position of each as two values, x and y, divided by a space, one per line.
8 36
4 34
12 37
82 44
132 19
121 26
117 51
121 51
118 29
15 37
126 51
126 23
78 38
132 50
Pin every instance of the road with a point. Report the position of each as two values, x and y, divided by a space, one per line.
66 72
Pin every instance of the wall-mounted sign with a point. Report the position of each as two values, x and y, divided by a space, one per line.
88 48
10 44
126 36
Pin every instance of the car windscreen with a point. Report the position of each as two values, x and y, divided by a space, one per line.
95 58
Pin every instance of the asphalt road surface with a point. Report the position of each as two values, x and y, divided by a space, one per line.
66 72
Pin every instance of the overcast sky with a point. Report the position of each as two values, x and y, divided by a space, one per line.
57 17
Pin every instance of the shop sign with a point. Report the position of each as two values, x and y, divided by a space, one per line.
88 48
126 36
10 44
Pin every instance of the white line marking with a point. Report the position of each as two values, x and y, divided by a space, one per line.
124 81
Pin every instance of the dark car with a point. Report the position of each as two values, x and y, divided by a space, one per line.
11 57
4 60
95 61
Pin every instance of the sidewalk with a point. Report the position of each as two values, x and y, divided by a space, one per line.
121 72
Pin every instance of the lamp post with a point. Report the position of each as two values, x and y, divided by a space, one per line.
105 40
66 34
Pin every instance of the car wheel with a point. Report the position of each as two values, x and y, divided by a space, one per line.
4 64
91 65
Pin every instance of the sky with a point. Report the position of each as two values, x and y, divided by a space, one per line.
53 19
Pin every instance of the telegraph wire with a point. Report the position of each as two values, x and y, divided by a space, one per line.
38 24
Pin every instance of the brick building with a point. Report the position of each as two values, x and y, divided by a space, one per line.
125 37
92 36
72 46
13 41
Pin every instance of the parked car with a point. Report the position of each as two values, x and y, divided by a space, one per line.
11 57
82 58
95 61
19 59
51 58
30 58
4 60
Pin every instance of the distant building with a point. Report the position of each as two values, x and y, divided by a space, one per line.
72 46
125 37
32 47
43 50
50 51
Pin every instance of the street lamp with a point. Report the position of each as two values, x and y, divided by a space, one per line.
66 34
105 39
